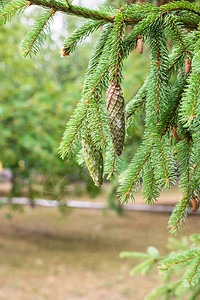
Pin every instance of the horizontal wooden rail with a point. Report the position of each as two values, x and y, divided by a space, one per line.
89 205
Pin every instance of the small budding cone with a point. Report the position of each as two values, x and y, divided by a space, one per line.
63 53
194 204
93 159
187 65
116 114
140 44
175 133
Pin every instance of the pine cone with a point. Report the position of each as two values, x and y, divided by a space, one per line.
194 204
175 133
93 159
116 114
140 44
187 65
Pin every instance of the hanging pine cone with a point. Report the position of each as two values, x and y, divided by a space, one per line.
194 204
187 65
116 114
140 44
64 52
175 133
93 158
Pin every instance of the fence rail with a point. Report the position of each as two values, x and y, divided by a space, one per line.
89 205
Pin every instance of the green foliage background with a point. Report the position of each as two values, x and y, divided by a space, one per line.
37 97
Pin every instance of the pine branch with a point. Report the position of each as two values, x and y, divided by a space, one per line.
72 132
139 11
162 158
185 160
117 48
36 38
158 88
181 260
82 32
3 3
130 41
79 11
93 81
181 5
189 106
150 188
130 178
75 124
185 163
179 214
12 9
175 31
100 47
188 20
191 277
99 63
137 101
113 164
174 101
96 80
110 162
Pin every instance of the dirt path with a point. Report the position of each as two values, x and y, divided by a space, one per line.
45 255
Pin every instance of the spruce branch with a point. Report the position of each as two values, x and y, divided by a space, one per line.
113 163
94 81
181 5
68 3
71 135
100 47
191 277
162 157
11 9
185 161
79 11
81 33
131 177
150 188
137 101
130 41
117 48
175 31
36 38
179 214
2 3
189 106
158 88
175 99
181 260
75 124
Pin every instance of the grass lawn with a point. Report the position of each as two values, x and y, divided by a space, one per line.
47 255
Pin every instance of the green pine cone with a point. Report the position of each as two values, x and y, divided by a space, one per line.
116 114
93 158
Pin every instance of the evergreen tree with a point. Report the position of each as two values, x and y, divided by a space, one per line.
169 97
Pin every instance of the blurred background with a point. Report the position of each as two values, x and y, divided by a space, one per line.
64 253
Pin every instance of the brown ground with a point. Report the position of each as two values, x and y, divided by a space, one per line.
46 255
